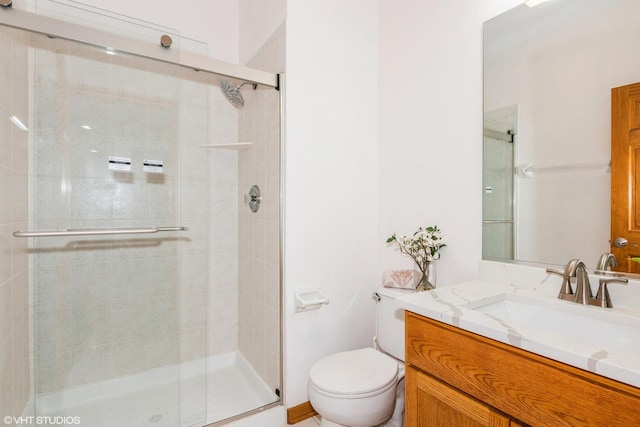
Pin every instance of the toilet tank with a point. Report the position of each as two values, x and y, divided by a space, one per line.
390 322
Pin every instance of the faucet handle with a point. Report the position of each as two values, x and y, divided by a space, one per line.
566 292
552 271
602 298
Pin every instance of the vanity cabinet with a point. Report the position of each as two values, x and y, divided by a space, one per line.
457 378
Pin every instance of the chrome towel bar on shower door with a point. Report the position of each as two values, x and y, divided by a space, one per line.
95 231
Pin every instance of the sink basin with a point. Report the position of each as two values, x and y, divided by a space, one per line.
604 328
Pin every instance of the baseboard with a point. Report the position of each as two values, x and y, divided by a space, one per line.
300 413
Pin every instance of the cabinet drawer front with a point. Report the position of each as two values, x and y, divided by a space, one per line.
527 387
434 403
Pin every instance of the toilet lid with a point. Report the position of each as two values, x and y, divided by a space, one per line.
354 372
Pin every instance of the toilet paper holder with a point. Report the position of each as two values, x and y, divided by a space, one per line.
310 300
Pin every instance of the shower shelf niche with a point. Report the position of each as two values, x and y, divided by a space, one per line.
234 146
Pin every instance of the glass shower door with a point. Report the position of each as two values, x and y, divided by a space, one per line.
116 317
134 320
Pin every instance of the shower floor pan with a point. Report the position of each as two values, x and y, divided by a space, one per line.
171 396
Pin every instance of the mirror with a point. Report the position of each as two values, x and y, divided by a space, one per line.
548 75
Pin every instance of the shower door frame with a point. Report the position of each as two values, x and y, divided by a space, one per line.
69 31
55 28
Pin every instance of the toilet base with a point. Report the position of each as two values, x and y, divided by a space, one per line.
392 422
396 420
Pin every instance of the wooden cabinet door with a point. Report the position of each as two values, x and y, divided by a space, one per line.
432 403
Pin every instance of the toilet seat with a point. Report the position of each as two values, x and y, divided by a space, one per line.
354 374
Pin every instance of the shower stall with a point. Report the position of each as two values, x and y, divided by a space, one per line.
140 218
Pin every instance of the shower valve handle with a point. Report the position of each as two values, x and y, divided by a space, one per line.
253 198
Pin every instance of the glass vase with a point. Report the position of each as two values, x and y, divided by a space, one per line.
424 283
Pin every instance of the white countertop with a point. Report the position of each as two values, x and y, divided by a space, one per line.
451 305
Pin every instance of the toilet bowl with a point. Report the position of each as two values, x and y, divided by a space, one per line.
364 387
354 388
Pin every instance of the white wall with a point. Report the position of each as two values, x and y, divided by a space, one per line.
259 19
331 179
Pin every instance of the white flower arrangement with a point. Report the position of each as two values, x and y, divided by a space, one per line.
423 247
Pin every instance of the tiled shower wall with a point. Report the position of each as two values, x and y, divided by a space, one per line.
223 232
259 233
14 284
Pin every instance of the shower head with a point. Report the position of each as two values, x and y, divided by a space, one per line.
233 92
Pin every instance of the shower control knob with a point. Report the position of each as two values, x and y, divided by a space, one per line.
253 198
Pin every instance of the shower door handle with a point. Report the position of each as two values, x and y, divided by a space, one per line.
95 231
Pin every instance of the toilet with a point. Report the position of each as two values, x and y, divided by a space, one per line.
364 387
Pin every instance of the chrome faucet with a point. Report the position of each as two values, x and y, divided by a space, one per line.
606 261
583 287
578 270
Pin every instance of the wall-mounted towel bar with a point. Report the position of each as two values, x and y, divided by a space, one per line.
527 170
95 231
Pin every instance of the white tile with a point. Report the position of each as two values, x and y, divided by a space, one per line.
5 132
5 194
5 251
6 317
309 422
